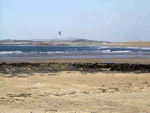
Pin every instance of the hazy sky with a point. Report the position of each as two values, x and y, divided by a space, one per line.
105 20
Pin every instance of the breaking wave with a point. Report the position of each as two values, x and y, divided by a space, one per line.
59 52
25 50
120 51
145 48
11 52
103 47
132 47
106 51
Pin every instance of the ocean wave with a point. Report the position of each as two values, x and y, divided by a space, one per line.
146 48
109 51
133 47
106 51
50 52
121 51
17 45
11 52
103 47
33 52
26 45
61 52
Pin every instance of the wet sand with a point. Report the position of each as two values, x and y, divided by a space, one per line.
34 60
140 61
75 92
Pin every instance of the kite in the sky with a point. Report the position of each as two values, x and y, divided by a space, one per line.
60 32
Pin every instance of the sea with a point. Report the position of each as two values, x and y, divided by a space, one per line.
45 52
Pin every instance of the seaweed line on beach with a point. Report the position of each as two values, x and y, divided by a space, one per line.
52 67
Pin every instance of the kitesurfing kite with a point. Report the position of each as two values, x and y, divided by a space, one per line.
60 32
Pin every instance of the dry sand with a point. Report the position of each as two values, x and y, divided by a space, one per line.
75 92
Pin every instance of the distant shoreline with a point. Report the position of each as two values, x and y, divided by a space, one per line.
129 45
113 45
79 42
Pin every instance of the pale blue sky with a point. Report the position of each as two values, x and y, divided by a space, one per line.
104 20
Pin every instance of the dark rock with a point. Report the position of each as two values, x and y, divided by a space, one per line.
26 67
85 92
20 95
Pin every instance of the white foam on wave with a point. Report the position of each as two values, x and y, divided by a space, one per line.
96 51
34 52
133 47
109 51
106 51
148 48
120 51
10 52
49 52
145 48
103 47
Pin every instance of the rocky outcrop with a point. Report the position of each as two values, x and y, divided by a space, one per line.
26 67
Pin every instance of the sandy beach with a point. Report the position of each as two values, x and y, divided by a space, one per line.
75 92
